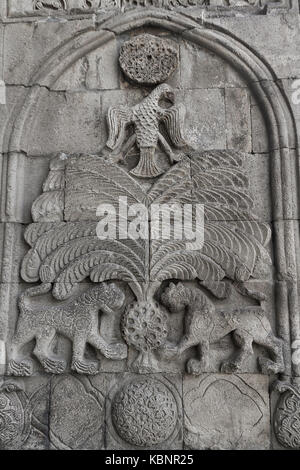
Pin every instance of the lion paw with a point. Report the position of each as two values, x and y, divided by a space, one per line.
53 366
81 367
19 369
195 367
116 351
229 367
269 367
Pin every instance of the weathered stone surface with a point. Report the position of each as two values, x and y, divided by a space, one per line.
277 36
226 412
148 60
112 317
28 45
205 117
95 71
238 120
66 122
77 413
134 397
260 140
24 412
201 68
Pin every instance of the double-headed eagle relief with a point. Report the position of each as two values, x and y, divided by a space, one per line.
66 248
146 118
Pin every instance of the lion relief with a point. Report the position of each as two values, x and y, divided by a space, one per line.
205 325
78 321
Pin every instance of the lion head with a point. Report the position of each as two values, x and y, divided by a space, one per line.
175 297
108 297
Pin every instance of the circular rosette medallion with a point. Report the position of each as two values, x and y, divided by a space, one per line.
145 326
148 60
144 412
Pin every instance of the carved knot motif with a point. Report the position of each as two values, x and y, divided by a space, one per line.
148 60
10 420
287 419
144 412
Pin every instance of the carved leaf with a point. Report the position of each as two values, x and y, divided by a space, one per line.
234 242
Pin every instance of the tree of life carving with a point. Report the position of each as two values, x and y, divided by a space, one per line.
65 247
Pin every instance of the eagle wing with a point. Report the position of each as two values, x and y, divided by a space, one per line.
118 117
173 119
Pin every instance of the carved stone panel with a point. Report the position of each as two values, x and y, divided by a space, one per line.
149 218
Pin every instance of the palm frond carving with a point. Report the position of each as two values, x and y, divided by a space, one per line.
65 253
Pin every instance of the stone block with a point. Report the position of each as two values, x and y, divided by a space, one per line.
260 140
205 124
24 413
98 70
201 68
144 412
28 45
238 120
225 412
66 122
10 109
77 412
257 169
11 242
274 37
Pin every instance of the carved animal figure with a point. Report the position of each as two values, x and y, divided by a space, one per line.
204 325
78 321
146 117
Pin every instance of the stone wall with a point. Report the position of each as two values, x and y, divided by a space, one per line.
133 342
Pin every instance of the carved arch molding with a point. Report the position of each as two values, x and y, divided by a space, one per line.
156 305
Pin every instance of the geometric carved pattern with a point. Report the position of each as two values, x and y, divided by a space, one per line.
148 60
90 6
287 419
144 412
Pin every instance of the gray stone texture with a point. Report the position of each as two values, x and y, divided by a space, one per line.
81 368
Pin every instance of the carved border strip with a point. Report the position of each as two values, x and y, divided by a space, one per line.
33 8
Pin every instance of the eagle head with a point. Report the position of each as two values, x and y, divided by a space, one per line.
166 92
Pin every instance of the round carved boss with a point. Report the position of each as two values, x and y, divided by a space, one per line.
144 326
148 60
144 412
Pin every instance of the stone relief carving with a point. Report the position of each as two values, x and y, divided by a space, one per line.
78 321
77 413
51 4
12 417
40 7
22 415
145 327
65 253
204 325
66 260
146 118
148 60
287 415
144 412
223 412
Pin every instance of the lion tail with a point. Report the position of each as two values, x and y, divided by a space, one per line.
32 292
